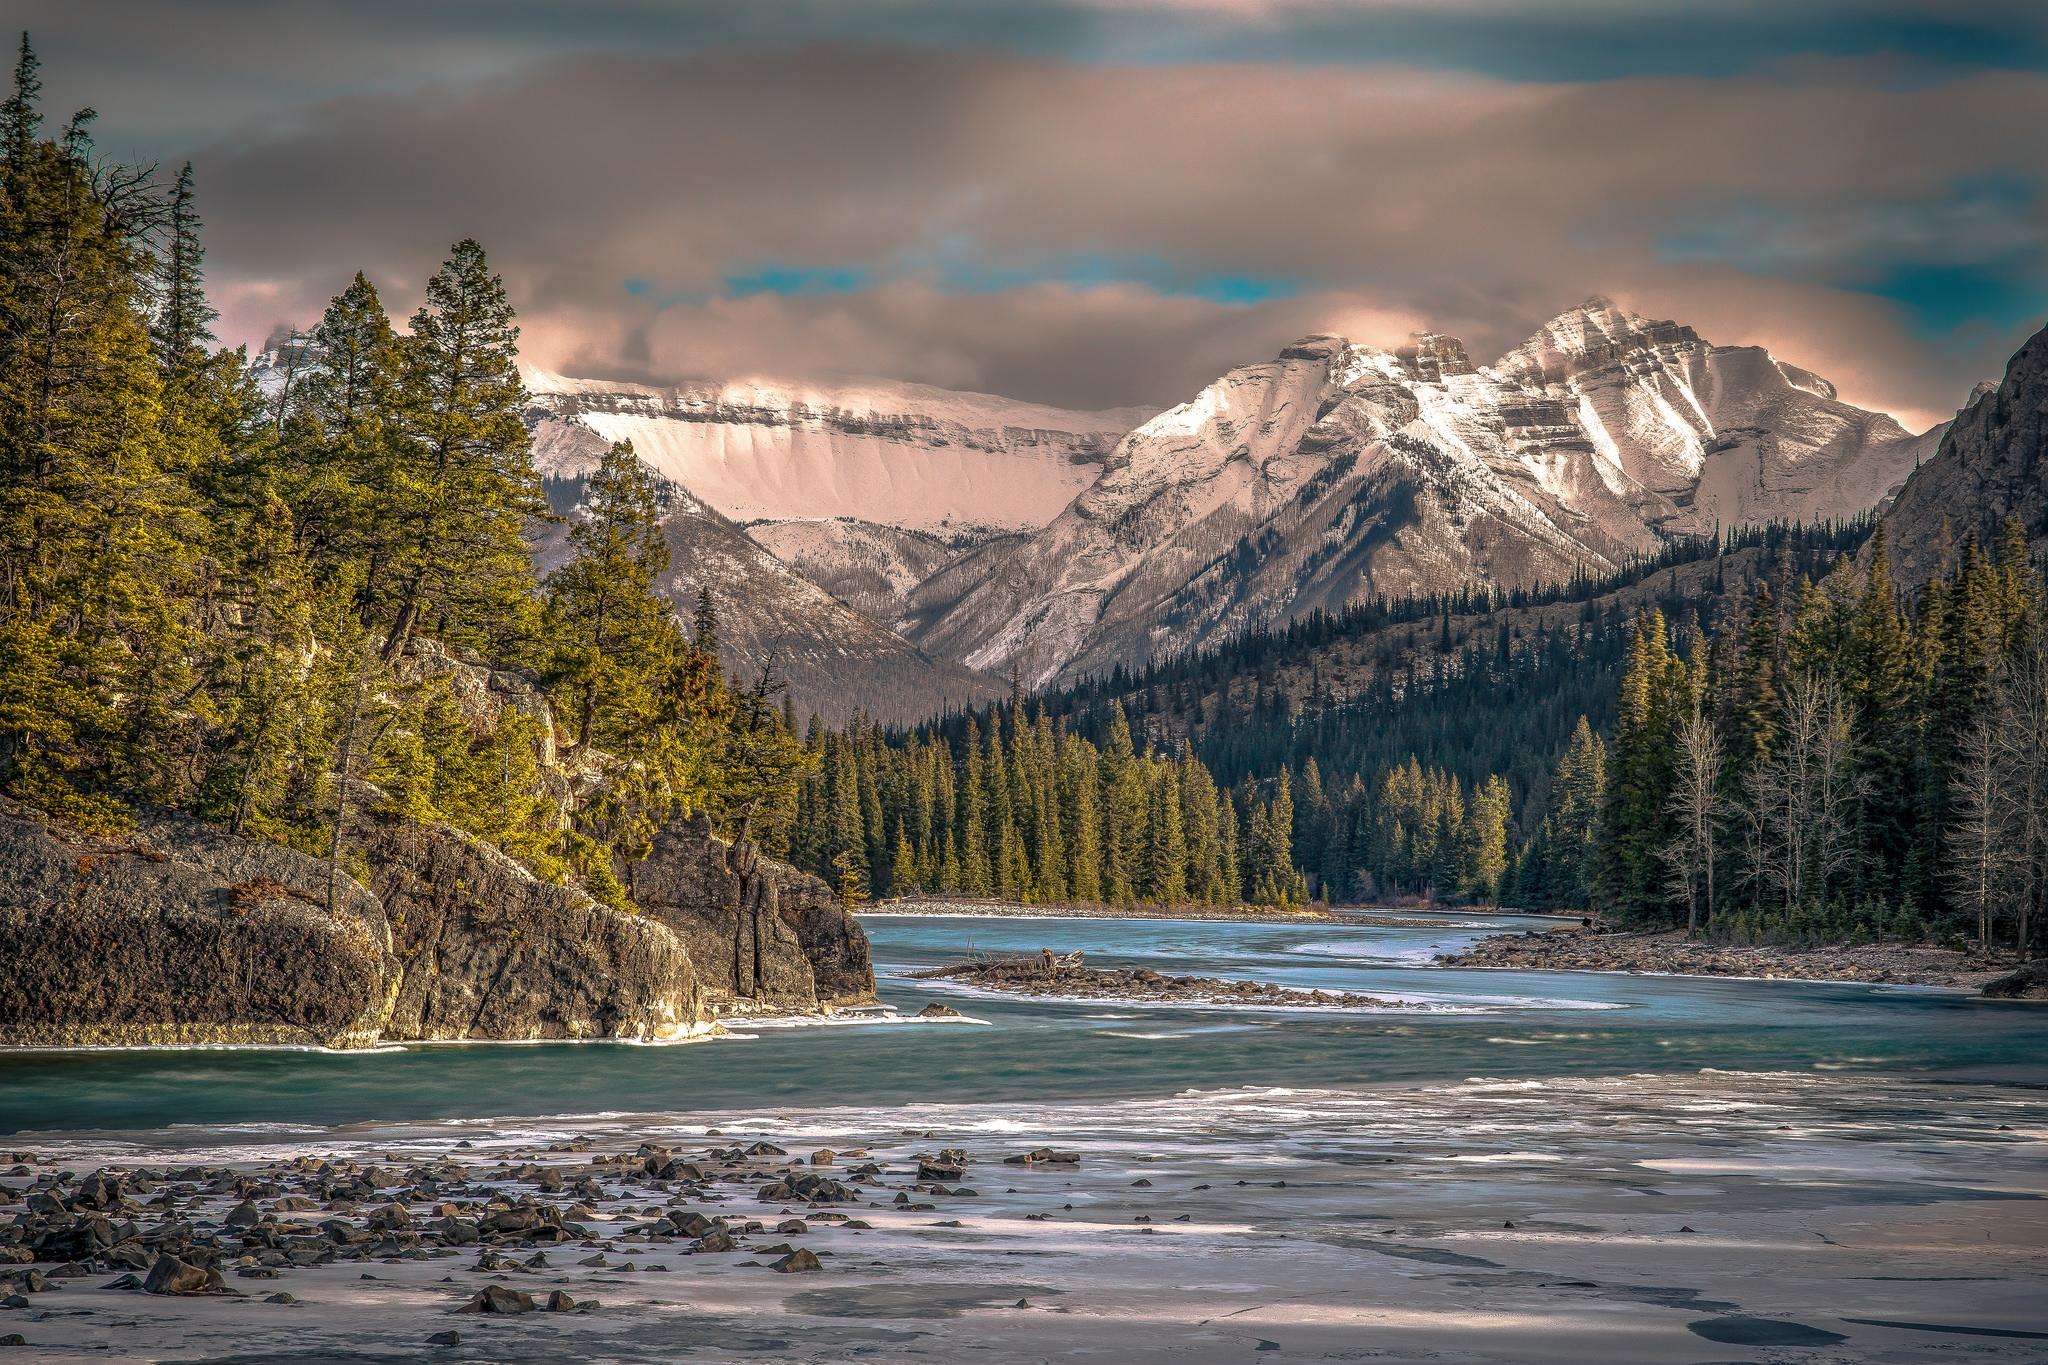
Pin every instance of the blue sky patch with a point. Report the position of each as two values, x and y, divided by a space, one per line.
782 277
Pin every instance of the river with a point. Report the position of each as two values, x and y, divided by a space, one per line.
1507 1166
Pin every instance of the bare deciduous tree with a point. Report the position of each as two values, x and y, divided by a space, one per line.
1697 807
2020 739
1802 800
1980 863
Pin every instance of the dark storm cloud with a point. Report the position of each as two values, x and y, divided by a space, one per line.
167 71
1088 203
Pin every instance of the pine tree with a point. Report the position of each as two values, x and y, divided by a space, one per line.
704 627
1578 794
609 632
182 326
340 458
1080 784
21 119
465 485
1487 818
1166 844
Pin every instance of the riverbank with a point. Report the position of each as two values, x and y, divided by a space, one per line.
1481 1220
966 908
1668 952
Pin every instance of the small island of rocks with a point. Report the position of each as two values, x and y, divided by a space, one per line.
1067 977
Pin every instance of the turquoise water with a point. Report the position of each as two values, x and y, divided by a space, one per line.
1459 1024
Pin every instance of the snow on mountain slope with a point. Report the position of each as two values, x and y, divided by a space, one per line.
1700 435
834 658
871 568
1340 473
905 455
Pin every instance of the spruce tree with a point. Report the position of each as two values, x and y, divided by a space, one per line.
465 485
608 630
182 328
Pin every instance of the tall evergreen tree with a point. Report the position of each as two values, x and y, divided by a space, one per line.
465 485
608 627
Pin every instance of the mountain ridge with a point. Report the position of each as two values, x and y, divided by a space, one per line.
1339 472
893 453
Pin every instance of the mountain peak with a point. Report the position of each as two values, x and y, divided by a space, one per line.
1430 356
1319 346
1593 334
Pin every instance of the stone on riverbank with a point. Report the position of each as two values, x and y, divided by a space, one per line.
2030 982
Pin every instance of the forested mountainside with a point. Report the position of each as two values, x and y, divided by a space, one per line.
1444 717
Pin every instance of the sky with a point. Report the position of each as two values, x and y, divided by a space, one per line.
1104 202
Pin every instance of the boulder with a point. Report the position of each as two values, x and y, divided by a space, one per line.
797 1262
2029 982
496 1298
172 1276
718 1239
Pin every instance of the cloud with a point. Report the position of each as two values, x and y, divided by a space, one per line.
1093 234
168 75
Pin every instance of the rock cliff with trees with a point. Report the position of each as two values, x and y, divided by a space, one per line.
293 745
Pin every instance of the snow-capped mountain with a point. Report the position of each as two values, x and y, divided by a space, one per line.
1339 473
901 455
834 658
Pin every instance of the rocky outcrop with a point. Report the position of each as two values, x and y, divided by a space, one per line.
2030 982
765 937
484 949
177 935
1992 464
184 933
841 967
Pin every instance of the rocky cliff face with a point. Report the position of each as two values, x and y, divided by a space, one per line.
892 453
181 933
484 949
765 937
1992 464
1339 473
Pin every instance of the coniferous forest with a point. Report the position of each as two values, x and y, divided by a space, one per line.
1849 764
206 588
